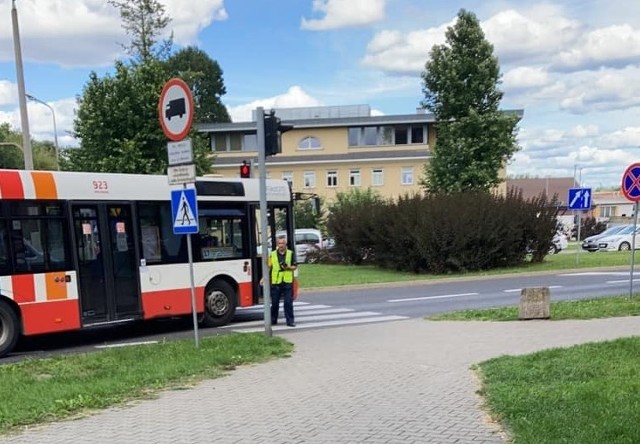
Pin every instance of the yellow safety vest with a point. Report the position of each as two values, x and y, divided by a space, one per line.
279 276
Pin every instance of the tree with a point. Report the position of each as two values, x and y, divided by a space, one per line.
474 138
144 21
11 156
204 77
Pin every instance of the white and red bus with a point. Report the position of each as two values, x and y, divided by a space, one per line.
80 250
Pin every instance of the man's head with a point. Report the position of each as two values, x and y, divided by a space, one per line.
282 244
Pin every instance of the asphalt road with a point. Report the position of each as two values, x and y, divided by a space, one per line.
350 306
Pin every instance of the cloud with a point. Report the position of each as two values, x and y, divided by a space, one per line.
617 45
294 97
344 13
602 90
526 77
86 33
8 93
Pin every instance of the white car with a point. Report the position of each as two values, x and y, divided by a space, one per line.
307 240
620 241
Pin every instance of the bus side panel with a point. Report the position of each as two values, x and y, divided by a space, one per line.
163 303
49 317
48 301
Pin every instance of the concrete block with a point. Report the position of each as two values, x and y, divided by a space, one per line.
535 303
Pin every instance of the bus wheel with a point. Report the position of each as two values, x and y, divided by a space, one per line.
8 329
219 304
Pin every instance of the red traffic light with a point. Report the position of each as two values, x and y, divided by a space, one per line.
245 170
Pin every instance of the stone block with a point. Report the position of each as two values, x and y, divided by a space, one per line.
535 303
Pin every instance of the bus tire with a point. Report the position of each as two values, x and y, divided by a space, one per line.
219 304
9 331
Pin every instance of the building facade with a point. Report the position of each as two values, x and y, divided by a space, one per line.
333 149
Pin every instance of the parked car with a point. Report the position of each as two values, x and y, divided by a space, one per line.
307 240
558 243
591 243
621 241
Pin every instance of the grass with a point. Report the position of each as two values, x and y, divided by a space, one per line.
584 394
37 390
325 275
578 309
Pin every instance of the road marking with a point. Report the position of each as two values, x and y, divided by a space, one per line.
126 344
426 298
597 273
301 325
517 290
622 281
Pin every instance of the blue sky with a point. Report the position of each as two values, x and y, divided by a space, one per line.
572 65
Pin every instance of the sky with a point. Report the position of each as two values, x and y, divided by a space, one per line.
573 66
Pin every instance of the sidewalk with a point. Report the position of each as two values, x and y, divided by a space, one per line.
396 382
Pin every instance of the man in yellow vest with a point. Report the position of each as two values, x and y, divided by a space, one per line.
282 266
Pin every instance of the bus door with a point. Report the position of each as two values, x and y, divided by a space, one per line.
107 262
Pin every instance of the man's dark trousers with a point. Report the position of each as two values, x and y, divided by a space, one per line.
285 291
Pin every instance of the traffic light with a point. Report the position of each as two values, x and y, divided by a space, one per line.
245 170
273 129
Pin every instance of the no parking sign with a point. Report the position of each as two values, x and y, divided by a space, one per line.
631 183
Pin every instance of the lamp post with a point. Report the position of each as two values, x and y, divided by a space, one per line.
55 128
24 117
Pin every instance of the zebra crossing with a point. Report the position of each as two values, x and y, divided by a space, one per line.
307 315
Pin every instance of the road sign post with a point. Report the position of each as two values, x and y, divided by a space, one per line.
175 110
579 200
631 190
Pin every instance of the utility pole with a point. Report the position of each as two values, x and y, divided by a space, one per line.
24 116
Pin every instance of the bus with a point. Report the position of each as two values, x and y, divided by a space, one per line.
81 250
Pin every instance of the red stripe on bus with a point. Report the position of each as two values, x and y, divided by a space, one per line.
11 185
156 304
50 317
45 185
245 294
24 288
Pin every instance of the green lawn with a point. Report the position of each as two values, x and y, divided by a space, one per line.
587 394
37 390
324 275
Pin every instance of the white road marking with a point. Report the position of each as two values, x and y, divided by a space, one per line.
518 290
426 298
126 344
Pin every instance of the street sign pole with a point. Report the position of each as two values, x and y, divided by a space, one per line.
194 310
578 235
633 248
262 170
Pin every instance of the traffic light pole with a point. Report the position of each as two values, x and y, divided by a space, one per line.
262 170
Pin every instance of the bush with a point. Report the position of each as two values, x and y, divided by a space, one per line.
441 233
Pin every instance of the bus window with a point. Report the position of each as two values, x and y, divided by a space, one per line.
159 244
220 233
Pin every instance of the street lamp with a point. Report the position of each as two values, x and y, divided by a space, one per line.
55 129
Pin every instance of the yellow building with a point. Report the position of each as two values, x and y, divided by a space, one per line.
333 149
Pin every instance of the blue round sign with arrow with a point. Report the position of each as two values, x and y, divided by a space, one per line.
631 183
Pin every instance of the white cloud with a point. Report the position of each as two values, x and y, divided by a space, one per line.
87 32
602 90
344 13
526 77
610 46
8 93
294 97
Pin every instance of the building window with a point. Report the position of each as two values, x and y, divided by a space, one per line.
234 142
309 143
377 177
387 135
309 179
607 211
406 176
354 178
332 179
288 176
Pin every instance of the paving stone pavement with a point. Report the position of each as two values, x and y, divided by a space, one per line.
396 382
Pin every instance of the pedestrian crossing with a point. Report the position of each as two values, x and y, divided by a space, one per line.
307 315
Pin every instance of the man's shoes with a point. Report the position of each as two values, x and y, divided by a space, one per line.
274 322
291 324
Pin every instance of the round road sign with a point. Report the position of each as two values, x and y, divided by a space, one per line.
631 183
175 109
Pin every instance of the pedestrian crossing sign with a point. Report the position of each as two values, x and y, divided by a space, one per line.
184 209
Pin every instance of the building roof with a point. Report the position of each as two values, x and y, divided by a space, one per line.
549 185
610 198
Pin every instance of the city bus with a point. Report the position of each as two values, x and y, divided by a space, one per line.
81 250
